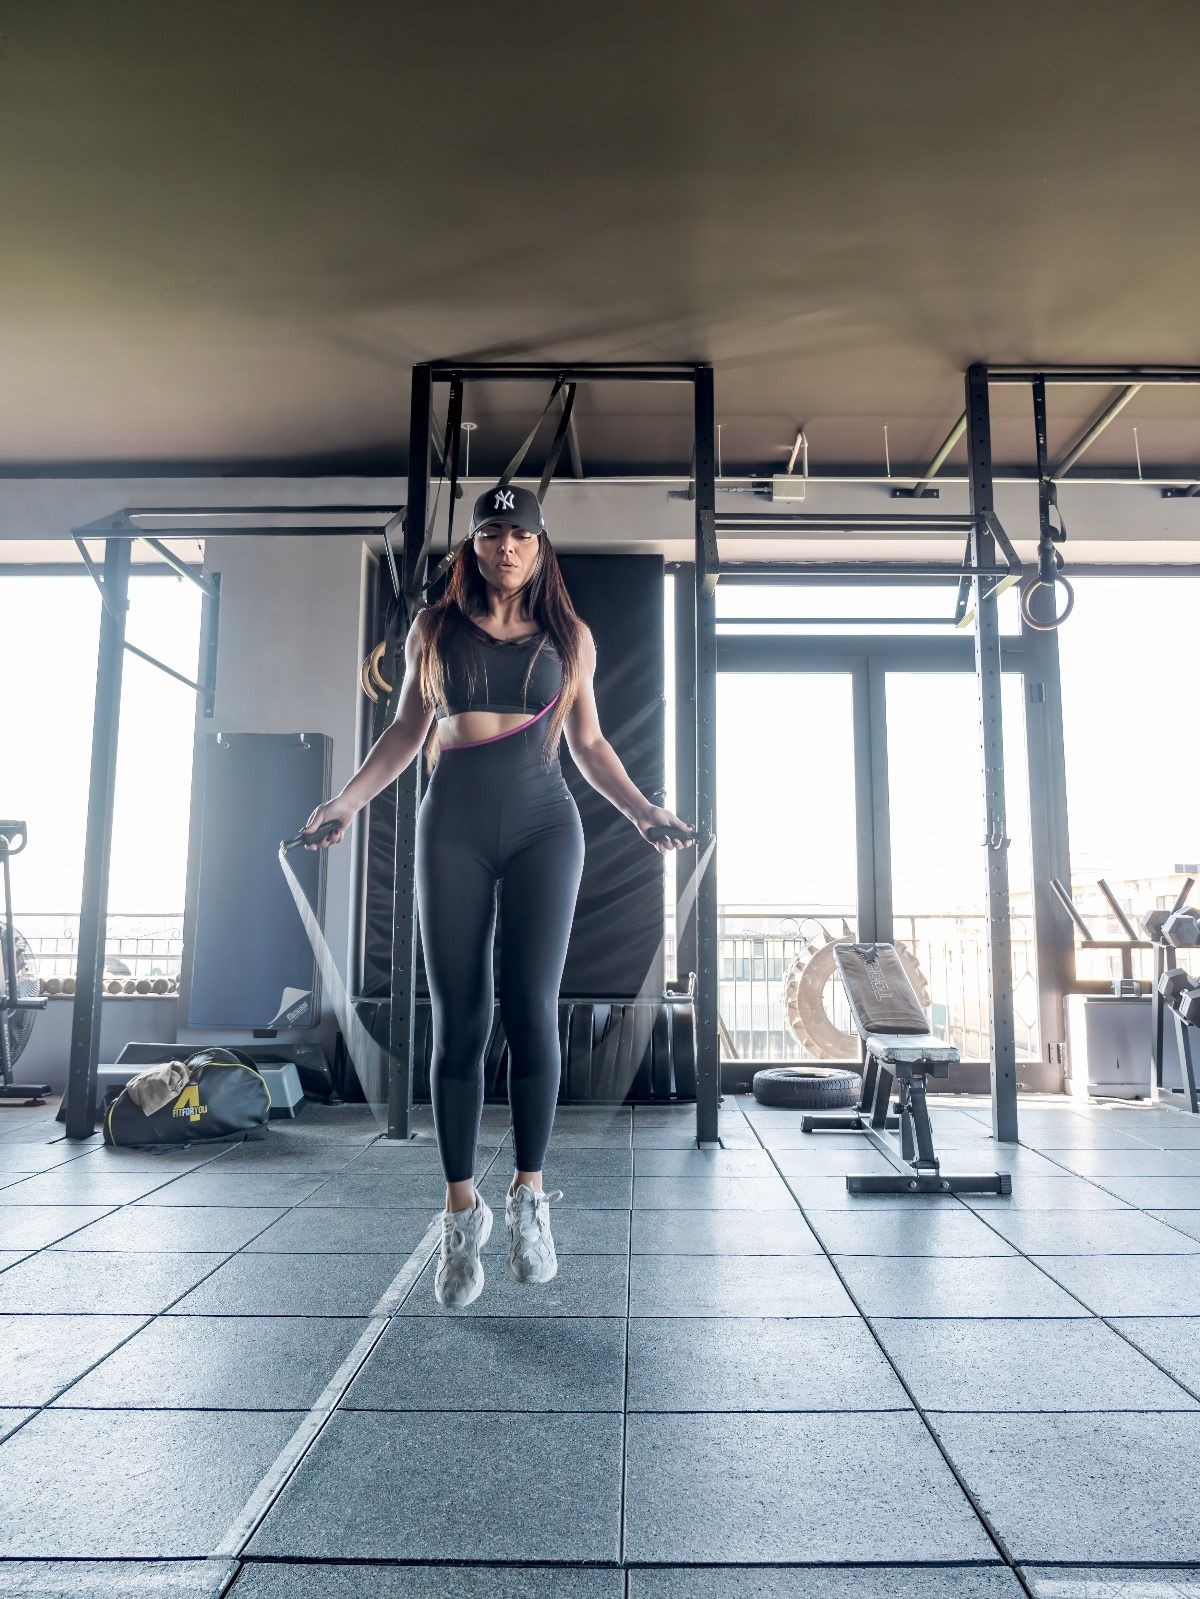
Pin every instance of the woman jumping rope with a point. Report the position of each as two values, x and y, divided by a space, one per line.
507 667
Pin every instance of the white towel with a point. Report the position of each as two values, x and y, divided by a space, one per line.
158 1085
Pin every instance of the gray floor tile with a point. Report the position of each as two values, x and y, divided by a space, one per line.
219 1363
381 1191
114 1579
555 1363
128 1500
247 1190
788 1136
102 1161
1019 1365
906 1232
1102 1582
279 1580
25 1227
67 1187
576 1232
1050 1193
752 1285
702 1163
758 1363
586 1285
44 1353
590 1191
825 1582
1137 1162
1147 1193
820 1161
954 1287
344 1123
1016 1159
29 1158
1181 1221
1178 1133
575 1162
712 1193
1055 1135
453 1485
1089 1232
343 1231
1127 1285
294 1285
115 1284
391 1158
1170 1341
723 1232
1107 1471
689 1480
600 1132
153 1228
284 1155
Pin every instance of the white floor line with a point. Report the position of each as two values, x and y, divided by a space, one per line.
240 1531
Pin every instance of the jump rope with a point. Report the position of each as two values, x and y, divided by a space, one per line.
372 1061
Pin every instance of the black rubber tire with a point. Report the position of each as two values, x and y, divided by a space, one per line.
808 1087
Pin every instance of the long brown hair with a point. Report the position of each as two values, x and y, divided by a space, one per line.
548 603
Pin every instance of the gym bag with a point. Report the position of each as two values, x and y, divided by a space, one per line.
225 1096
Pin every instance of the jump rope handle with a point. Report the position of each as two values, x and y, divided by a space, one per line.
661 830
325 829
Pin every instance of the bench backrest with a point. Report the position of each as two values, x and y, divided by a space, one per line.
882 1000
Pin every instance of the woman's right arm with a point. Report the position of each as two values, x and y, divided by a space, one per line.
391 753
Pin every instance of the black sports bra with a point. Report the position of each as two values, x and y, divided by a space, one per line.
504 679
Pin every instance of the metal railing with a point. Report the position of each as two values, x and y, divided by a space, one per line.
757 946
137 946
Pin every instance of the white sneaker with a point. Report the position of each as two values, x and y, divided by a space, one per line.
459 1278
531 1256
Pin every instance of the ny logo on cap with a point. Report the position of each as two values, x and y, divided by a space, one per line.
504 500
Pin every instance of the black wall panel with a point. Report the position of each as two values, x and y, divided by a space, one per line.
616 945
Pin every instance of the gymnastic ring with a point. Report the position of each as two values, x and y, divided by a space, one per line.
373 672
364 679
1031 588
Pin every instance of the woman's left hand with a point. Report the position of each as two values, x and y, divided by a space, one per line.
658 816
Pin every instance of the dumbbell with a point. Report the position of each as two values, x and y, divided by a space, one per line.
1182 928
1189 1006
1152 925
1173 985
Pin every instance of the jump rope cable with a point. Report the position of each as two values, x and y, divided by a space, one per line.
371 1061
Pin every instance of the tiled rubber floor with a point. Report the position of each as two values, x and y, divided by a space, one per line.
227 1373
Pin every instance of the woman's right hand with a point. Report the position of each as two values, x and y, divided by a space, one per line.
334 810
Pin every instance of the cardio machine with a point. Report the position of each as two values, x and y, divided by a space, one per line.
15 1005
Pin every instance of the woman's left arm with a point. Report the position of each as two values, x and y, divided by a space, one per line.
601 765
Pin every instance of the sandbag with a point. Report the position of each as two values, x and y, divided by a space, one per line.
225 1096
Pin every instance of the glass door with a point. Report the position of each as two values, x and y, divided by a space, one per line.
849 804
788 867
938 889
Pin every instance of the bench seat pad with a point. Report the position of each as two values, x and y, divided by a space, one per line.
909 1049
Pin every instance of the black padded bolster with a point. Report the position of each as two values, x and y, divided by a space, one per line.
877 986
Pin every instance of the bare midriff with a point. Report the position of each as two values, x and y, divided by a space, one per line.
470 727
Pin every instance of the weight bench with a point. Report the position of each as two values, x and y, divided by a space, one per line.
901 1051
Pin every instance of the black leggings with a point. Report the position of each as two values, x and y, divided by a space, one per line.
492 813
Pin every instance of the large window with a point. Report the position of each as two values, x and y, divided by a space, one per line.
49 632
1128 656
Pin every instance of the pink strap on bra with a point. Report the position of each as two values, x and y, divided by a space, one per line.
475 743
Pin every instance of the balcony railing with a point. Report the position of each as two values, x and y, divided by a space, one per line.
758 945
139 948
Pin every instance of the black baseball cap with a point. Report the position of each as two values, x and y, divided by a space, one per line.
508 503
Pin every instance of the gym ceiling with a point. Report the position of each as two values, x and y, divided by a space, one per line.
229 229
